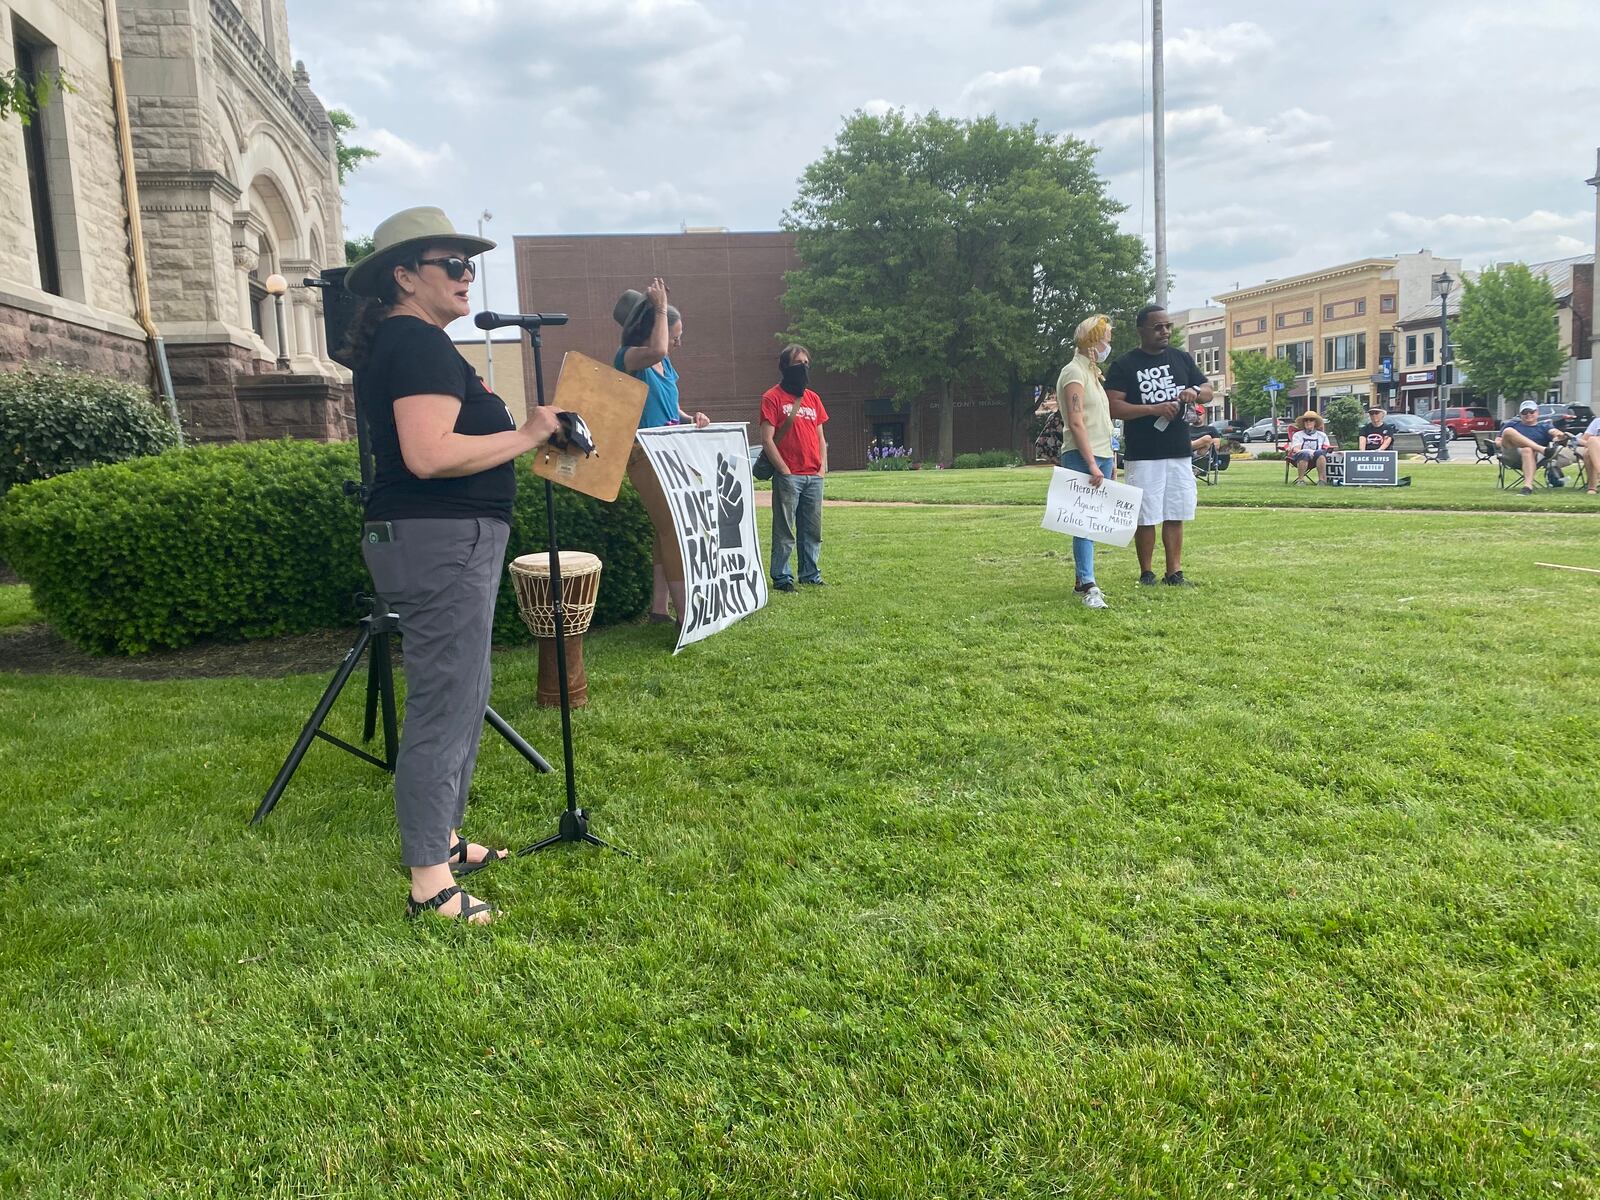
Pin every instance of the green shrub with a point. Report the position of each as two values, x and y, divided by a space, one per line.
1268 456
54 420
1344 418
250 541
985 458
891 464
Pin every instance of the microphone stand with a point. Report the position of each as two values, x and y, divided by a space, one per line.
574 823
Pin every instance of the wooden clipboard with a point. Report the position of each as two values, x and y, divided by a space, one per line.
610 404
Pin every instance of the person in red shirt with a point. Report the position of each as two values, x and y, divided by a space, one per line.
792 417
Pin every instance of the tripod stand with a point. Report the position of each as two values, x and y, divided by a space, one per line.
378 627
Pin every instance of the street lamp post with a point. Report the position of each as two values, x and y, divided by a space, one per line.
1441 284
276 286
483 280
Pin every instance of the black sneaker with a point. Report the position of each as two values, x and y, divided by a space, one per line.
815 582
1148 578
1176 579
783 585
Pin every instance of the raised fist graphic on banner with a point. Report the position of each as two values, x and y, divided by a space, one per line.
730 505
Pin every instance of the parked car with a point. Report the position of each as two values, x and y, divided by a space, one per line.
1409 432
1574 418
1233 427
1262 430
1464 422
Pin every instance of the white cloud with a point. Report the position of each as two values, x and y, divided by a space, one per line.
1476 237
621 115
397 156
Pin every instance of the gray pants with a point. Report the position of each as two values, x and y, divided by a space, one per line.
441 577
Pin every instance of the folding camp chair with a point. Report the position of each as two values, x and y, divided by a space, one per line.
1574 474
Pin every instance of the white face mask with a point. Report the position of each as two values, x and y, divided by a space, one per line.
1102 352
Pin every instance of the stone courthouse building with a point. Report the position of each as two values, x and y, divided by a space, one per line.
235 174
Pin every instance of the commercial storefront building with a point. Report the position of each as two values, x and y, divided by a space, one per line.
1337 326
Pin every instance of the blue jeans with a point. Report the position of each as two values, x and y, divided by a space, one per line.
796 509
1083 548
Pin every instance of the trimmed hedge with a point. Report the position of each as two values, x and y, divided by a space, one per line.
985 458
252 541
54 420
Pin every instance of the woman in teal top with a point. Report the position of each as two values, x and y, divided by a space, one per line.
650 329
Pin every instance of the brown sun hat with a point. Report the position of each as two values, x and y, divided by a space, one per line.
1308 415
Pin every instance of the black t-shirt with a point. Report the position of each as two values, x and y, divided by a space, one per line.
410 357
1154 379
1371 436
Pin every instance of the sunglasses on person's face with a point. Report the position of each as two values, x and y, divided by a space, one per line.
456 267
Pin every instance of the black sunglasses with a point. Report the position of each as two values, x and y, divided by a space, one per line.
456 267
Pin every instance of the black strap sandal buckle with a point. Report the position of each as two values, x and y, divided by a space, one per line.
469 907
460 867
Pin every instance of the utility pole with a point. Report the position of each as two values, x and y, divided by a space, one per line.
1159 121
483 278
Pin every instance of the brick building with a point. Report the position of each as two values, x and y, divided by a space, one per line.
1424 376
1205 336
729 288
1337 325
235 170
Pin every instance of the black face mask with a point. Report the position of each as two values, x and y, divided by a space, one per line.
795 378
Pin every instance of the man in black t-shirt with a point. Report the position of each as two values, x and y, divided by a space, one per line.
1151 390
1377 433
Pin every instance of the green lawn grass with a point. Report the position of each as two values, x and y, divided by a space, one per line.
1244 484
945 886
16 606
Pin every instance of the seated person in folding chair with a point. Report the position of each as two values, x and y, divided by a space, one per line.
1589 448
1309 446
1528 443
1377 433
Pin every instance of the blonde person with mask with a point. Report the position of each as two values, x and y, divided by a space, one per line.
1080 389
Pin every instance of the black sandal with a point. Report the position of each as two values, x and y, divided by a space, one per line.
469 909
459 866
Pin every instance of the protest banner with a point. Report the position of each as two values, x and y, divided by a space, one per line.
706 476
1107 513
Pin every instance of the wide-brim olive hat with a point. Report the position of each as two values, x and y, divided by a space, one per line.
410 229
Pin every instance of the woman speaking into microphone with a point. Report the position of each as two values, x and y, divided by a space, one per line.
438 518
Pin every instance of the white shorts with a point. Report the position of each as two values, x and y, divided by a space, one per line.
1168 486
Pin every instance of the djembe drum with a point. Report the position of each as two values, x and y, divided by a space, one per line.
580 589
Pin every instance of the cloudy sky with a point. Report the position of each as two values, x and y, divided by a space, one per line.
1299 135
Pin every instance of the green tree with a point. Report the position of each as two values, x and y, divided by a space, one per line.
350 157
25 95
1344 417
1251 371
1507 331
357 247
947 254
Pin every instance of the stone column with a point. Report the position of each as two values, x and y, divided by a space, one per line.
245 260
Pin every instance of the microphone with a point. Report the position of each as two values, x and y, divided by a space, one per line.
494 320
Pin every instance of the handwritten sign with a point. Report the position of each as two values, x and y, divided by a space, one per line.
1107 513
706 476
